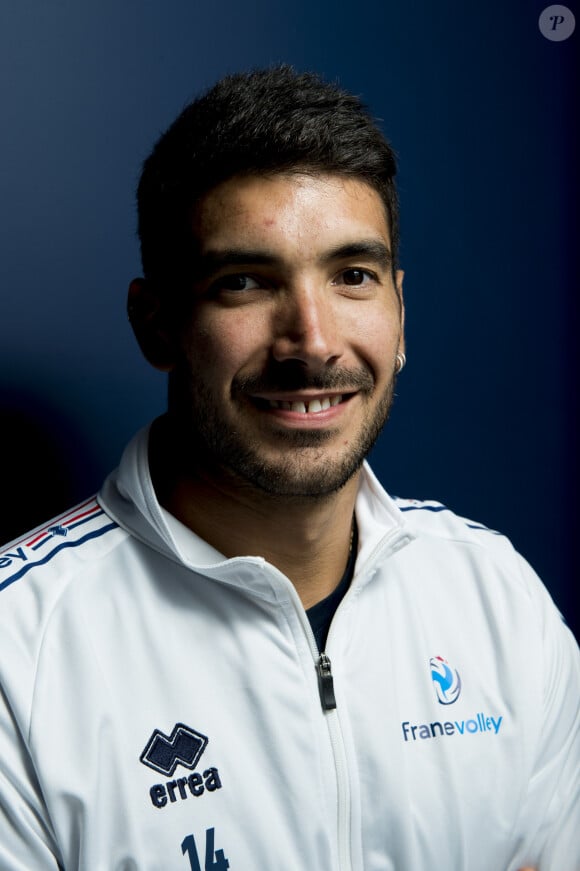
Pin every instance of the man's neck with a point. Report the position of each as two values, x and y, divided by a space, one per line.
308 540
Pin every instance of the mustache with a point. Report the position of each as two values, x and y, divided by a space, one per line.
281 377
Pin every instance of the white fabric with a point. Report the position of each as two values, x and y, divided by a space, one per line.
117 624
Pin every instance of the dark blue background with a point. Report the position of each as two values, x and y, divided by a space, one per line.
480 108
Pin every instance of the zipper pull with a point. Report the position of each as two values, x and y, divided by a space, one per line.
325 683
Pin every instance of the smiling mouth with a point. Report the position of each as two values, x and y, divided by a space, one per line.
303 406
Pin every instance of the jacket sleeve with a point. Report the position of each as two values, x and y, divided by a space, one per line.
26 841
551 810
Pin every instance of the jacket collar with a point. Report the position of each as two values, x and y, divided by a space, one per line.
128 496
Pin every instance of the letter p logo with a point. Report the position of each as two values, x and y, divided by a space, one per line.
557 23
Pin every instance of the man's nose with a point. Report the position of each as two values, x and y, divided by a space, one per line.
306 327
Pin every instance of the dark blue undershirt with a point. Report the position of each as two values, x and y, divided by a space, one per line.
321 614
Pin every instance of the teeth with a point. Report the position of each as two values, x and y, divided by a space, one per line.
312 407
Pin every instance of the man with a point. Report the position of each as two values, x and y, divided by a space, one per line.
244 654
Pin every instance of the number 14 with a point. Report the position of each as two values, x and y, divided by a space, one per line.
214 859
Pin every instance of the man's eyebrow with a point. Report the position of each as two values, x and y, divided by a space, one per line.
210 261
369 249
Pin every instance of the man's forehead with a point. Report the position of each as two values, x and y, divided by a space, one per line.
324 205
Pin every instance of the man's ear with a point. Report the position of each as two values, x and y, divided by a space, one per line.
151 325
399 275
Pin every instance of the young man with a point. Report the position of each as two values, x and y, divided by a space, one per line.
244 654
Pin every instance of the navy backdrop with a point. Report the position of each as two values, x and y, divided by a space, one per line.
480 107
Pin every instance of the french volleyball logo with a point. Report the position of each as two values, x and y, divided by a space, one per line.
446 680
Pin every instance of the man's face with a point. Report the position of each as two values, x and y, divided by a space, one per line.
285 361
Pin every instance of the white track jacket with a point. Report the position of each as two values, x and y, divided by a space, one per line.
165 709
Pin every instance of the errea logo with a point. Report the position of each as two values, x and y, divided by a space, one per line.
165 753
183 747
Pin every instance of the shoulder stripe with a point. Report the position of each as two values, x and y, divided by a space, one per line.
423 508
438 507
483 528
64 524
97 533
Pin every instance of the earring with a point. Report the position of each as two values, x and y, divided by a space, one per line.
401 360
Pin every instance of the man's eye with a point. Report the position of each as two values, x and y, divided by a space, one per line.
236 282
355 277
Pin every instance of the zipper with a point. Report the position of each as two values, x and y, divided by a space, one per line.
325 683
327 696
328 702
343 799
323 669
323 664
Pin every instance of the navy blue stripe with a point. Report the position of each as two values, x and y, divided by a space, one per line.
424 508
96 534
444 508
85 519
483 528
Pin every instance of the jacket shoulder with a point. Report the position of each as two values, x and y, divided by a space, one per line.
78 534
432 518
36 573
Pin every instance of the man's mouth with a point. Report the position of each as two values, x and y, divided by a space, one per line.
303 406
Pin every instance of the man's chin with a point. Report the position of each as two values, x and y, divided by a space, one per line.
298 479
